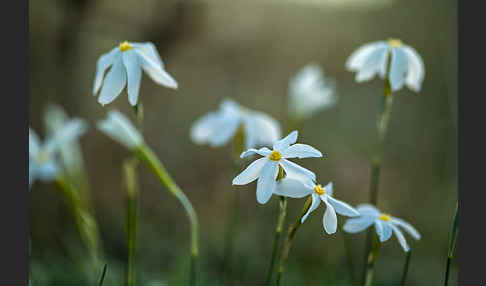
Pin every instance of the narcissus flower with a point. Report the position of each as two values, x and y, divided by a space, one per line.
127 61
266 169
298 188
310 92
217 128
43 157
406 65
119 128
384 224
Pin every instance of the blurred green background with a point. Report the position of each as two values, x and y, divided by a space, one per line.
247 50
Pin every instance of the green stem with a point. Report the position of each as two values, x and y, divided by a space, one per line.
452 246
405 268
288 241
370 265
156 166
276 240
102 278
387 101
84 220
132 197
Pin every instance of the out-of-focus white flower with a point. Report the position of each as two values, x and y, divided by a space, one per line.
310 92
296 187
266 169
384 224
406 65
217 128
127 61
119 128
43 157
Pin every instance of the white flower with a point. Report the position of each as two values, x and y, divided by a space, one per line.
295 187
310 91
119 128
43 157
406 65
217 128
266 169
127 61
384 224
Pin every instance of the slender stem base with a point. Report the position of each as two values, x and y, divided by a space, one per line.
370 265
288 241
131 199
405 268
276 240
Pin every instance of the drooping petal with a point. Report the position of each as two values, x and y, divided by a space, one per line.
292 188
114 82
401 239
34 143
266 181
315 203
134 75
386 231
226 129
342 208
355 225
260 129
368 210
379 228
357 59
416 69
284 143
69 132
262 151
398 69
301 151
329 220
204 128
104 62
376 62
121 129
48 171
149 53
296 170
406 226
329 189
152 64
251 173
160 76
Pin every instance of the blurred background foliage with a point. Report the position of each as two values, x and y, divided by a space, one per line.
247 50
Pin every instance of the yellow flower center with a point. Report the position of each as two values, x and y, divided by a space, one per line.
319 190
385 217
125 46
275 156
42 157
395 43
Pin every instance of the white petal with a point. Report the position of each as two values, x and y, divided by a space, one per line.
266 181
54 118
134 75
251 173
400 237
355 225
386 230
34 143
316 200
104 62
329 220
152 64
114 83
398 69
48 171
292 188
296 170
375 63
69 132
260 129
379 228
121 129
226 129
149 54
204 128
329 189
160 76
284 143
301 151
416 69
262 151
357 59
342 208
368 210
406 226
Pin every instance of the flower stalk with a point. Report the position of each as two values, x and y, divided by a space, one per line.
288 241
276 240
405 268
132 198
147 156
370 265
452 246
